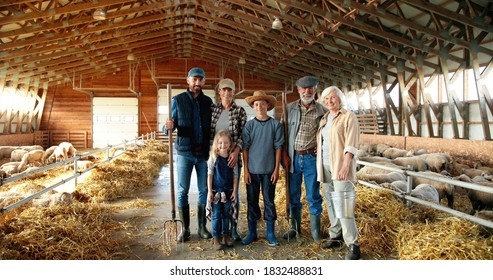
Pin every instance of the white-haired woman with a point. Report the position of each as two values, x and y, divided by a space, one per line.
337 143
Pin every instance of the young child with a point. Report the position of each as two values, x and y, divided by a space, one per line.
263 138
222 182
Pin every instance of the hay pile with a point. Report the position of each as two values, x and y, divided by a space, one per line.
82 230
390 230
74 232
448 239
121 177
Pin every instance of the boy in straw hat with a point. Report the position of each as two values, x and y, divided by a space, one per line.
263 138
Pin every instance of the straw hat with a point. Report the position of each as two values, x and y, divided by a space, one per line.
261 95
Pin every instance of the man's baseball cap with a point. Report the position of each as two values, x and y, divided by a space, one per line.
196 71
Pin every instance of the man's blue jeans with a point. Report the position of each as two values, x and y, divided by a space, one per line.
305 167
185 165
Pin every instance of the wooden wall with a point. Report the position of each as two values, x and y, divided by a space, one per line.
67 109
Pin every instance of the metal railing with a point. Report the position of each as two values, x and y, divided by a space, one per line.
123 146
406 195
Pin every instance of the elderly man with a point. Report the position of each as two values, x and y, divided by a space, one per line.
303 117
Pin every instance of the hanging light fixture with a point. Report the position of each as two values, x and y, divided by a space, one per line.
277 24
131 57
99 14
241 61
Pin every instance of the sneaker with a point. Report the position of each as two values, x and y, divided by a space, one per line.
353 252
335 242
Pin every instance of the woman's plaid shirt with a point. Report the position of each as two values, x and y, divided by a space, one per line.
237 120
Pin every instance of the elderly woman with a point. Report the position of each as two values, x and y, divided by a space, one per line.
337 143
226 115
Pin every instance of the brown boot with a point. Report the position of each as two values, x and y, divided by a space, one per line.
227 240
217 243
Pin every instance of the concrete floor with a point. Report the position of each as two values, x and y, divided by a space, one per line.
146 228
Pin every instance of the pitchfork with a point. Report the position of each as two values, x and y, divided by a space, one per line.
172 228
286 147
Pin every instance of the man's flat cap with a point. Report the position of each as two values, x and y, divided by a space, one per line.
307 81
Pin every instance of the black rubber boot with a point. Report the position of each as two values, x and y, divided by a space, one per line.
315 228
234 232
202 220
184 213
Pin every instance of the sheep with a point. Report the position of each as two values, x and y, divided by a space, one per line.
32 157
17 154
57 155
32 148
62 152
47 154
485 168
5 151
399 186
68 148
416 163
35 175
370 149
481 179
10 168
444 190
426 192
375 170
63 199
393 153
457 169
380 148
479 200
81 165
473 172
437 161
485 231
383 178
421 152
375 159
362 153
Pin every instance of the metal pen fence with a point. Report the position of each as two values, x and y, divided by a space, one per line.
406 195
123 146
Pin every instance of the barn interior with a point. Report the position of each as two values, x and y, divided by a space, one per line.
96 73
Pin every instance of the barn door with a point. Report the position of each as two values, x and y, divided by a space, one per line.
114 120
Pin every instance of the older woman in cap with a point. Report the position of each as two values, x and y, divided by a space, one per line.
303 117
337 145
263 138
226 115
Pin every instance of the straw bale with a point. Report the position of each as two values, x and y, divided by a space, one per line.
449 239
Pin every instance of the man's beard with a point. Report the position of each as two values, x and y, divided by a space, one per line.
307 100
196 89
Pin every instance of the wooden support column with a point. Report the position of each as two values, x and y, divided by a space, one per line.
408 107
483 96
453 101
389 104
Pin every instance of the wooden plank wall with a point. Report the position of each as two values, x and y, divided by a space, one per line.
67 110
